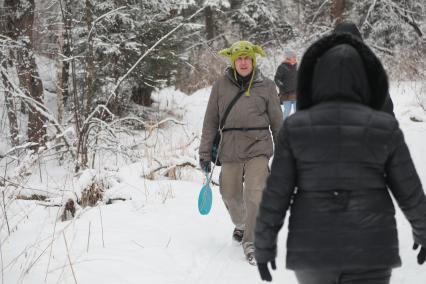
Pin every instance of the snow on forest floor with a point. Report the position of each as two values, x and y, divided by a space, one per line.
157 235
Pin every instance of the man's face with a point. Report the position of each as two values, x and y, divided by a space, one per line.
243 65
291 60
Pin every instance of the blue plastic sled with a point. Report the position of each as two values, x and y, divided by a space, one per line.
205 197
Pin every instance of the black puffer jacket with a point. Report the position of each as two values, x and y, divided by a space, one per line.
341 154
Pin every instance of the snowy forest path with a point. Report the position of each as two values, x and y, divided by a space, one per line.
157 234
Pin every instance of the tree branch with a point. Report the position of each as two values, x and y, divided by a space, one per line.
39 107
101 17
317 12
368 13
121 79
403 13
382 49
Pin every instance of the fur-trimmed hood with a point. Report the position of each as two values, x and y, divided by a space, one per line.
341 67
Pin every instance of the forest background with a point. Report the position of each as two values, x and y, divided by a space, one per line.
101 102
77 78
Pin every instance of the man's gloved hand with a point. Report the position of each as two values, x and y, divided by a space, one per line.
205 165
421 257
265 275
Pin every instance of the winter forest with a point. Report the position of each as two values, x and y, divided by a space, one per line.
101 109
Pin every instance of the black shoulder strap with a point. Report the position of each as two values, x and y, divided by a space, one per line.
234 100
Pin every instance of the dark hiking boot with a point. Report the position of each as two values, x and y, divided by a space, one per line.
250 258
237 235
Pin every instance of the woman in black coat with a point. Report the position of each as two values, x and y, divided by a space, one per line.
340 153
351 28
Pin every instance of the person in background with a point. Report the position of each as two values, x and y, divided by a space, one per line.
337 161
285 79
351 28
246 144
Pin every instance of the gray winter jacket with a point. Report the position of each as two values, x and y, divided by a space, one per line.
260 109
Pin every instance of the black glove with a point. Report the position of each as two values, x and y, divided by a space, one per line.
421 257
205 165
265 275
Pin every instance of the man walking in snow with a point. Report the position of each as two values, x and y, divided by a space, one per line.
286 79
346 157
246 143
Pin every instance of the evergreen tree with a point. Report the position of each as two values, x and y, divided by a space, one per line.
260 21
113 36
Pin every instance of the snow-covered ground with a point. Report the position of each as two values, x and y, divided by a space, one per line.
157 235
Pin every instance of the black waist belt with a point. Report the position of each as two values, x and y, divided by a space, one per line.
244 129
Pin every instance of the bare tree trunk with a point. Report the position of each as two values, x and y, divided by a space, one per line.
6 63
82 141
208 12
63 74
65 6
29 78
282 6
337 10
19 26
11 108
89 58
60 91
298 12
